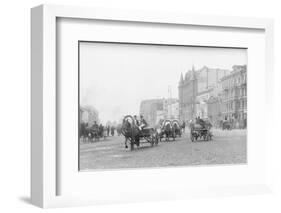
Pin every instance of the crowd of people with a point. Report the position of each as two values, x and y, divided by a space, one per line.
96 131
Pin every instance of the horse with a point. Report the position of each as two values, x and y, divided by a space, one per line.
94 133
226 125
167 130
84 133
177 128
131 133
135 133
101 133
200 128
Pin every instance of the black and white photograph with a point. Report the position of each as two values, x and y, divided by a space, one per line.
154 105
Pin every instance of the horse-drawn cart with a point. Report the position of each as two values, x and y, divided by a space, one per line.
167 131
201 130
136 135
177 128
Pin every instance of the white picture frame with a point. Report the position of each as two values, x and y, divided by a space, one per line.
44 149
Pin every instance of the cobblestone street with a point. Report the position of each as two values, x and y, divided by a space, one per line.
227 147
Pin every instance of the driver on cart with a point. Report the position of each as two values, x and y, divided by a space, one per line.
136 120
143 123
200 121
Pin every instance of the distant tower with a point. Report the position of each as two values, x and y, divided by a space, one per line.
170 92
193 73
169 100
194 91
181 79
180 96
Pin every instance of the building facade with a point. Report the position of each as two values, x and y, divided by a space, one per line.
195 88
160 116
202 103
187 94
155 110
88 114
234 96
215 110
171 108
149 109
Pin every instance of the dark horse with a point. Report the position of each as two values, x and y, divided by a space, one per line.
134 134
94 133
131 133
226 125
84 132
200 129
167 130
88 133
177 128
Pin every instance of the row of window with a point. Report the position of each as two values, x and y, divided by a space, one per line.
236 105
240 116
236 92
235 81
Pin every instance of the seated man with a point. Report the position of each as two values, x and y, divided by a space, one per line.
136 120
200 121
143 123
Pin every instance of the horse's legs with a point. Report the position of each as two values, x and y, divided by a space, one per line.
126 146
137 141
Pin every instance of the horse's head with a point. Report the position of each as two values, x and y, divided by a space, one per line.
176 125
126 126
168 126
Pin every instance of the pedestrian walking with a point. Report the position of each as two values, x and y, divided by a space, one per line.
112 130
108 130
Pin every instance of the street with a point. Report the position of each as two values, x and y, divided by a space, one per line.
227 147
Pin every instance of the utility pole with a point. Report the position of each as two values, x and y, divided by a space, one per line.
193 92
169 99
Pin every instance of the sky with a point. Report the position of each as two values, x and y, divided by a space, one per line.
115 78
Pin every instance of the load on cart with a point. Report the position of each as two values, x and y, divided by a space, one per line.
200 129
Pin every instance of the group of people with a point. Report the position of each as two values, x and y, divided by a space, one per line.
204 123
109 130
223 123
97 129
141 123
